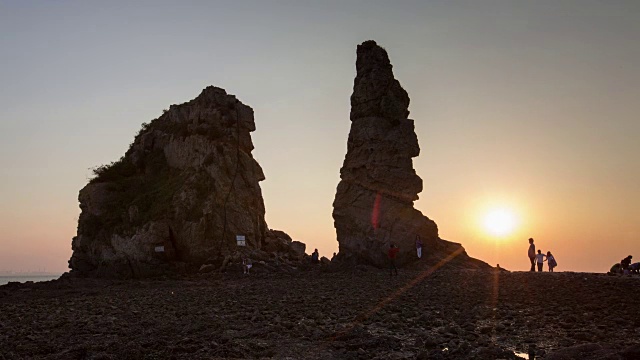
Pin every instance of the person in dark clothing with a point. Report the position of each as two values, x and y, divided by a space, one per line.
315 257
615 269
393 251
246 265
540 259
551 261
624 264
419 246
532 254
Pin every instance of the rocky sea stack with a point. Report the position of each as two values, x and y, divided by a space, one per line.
187 186
373 206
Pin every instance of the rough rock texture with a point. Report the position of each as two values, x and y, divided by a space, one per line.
312 314
373 206
188 182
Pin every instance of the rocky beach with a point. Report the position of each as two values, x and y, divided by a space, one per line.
155 271
320 180
324 313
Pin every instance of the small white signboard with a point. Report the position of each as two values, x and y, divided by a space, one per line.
241 240
160 249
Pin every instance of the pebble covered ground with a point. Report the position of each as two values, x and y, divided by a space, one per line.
314 314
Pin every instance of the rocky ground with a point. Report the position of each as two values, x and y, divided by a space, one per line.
315 314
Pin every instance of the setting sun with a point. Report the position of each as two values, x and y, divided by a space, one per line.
500 222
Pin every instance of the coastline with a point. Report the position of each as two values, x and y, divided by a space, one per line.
5 279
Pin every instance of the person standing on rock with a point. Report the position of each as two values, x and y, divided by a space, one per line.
532 254
246 265
392 253
315 257
540 259
551 261
419 246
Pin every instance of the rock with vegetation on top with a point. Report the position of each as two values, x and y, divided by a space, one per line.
182 192
373 206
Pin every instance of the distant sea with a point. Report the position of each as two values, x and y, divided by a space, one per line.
5 279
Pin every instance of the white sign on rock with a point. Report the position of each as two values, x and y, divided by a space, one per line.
240 239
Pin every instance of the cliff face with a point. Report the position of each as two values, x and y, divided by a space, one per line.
187 185
373 206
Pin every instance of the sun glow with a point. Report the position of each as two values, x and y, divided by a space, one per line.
500 222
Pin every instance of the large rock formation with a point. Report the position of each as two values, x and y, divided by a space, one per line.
373 206
182 192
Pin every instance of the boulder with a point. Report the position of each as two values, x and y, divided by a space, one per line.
276 241
297 250
373 206
207 268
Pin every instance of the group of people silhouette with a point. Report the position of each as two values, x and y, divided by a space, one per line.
539 258
536 258
392 253
625 267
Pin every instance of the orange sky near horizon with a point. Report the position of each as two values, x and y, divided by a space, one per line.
531 106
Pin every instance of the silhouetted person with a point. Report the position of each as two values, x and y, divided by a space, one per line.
392 253
635 268
419 246
551 261
625 263
616 269
540 260
315 257
333 257
531 351
532 254
246 265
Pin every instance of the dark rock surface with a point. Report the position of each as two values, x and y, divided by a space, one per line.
187 185
313 314
373 206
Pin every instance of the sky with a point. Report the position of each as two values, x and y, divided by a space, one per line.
532 107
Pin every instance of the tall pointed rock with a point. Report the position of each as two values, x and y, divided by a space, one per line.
373 206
